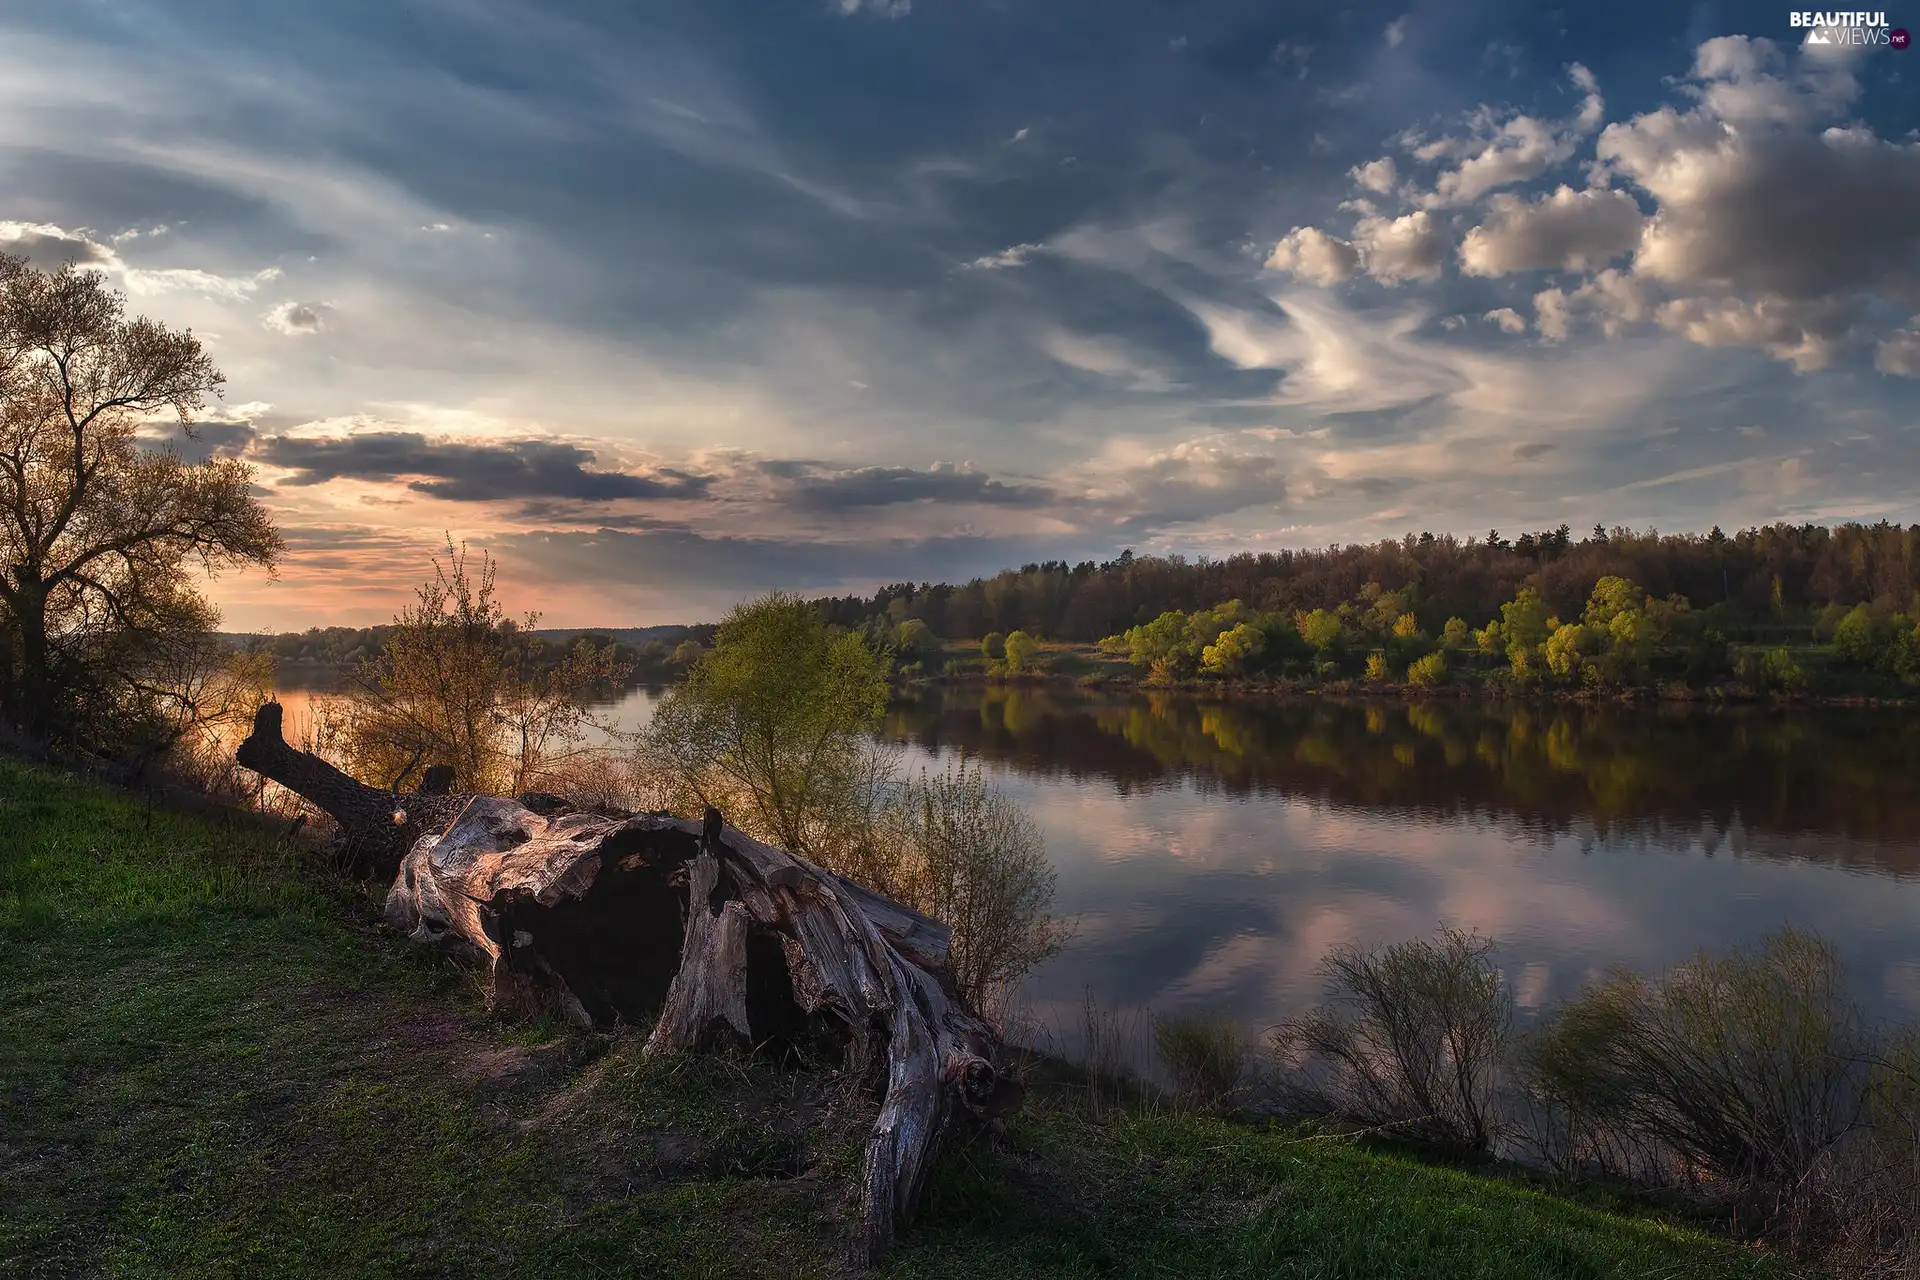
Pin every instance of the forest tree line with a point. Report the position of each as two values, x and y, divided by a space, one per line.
1763 584
657 659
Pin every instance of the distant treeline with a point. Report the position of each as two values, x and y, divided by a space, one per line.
649 655
1763 584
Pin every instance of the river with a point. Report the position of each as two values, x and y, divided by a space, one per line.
1210 852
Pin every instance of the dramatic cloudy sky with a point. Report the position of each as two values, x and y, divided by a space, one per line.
668 302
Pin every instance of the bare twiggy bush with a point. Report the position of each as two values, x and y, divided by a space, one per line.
1747 1074
1410 1036
592 778
456 683
1209 1060
966 854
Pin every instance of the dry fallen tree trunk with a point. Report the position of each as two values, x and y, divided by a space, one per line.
706 933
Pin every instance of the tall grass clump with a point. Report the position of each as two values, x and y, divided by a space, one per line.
1748 1075
1410 1036
1209 1060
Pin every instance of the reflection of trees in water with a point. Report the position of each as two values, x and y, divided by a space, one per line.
1734 778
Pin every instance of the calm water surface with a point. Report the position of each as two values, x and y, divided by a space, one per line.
1210 853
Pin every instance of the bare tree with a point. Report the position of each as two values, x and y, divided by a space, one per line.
459 683
97 535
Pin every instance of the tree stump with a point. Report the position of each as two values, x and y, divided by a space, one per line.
694 929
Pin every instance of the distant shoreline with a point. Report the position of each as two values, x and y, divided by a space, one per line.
1456 691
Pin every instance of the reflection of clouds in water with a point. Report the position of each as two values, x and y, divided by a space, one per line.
1217 902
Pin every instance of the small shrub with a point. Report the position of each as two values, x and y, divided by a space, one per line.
1769 671
1377 666
969 856
1022 653
1208 1059
1410 1036
1428 671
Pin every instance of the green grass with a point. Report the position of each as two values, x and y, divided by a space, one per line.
212 1064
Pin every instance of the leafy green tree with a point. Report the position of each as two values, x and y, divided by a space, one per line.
1428 671
1611 596
1858 638
1023 653
1234 652
1205 626
1523 621
914 640
1455 634
994 646
773 727
1152 646
1567 649
1321 629
1903 655
1377 666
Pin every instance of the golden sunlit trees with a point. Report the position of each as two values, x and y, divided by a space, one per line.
99 613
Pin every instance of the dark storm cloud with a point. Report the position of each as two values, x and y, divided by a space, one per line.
716 571
886 486
200 442
467 472
50 248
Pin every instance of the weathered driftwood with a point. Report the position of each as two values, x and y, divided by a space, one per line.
694 927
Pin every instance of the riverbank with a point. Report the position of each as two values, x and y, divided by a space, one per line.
214 1061
1085 667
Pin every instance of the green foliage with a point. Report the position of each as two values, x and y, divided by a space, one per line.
773 728
1234 652
914 641
1154 646
1769 671
1858 636
1523 621
1567 648
1455 634
993 646
1321 630
1425 673
1023 653
1377 666
1436 577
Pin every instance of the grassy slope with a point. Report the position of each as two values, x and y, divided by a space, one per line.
210 1065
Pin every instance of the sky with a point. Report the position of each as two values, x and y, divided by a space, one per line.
664 304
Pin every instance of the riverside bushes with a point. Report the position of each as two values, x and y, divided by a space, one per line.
1410 1036
1752 1081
